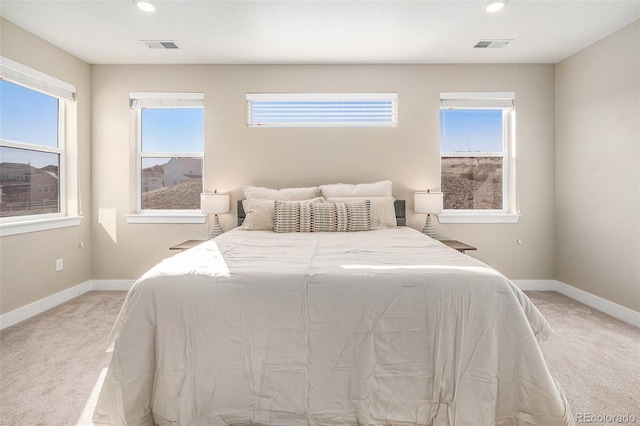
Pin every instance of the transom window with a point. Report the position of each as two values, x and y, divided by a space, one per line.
322 109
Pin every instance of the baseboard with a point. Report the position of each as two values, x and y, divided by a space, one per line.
603 305
536 285
112 285
39 306
17 315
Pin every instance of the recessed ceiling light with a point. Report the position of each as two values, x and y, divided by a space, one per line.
495 5
146 5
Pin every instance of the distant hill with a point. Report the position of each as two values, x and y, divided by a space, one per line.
184 196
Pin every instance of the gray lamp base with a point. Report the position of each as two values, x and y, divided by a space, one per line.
215 229
428 229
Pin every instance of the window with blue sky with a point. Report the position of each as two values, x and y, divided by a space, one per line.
170 156
31 152
472 146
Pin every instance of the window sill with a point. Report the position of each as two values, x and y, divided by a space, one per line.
165 218
36 225
479 218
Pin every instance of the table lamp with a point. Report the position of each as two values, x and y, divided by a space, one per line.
429 203
214 203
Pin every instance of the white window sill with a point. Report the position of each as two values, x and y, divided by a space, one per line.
166 218
36 225
478 218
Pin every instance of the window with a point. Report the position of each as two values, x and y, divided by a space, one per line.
322 109
32 146
476 142
170 152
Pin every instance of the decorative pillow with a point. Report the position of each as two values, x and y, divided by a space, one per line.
383 211
289 194
376 189
259 213
321 217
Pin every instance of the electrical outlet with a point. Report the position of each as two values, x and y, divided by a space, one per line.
59 265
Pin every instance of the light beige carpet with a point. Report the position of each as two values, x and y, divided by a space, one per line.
51 365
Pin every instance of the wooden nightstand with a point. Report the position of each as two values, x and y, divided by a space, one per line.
454 244
185 245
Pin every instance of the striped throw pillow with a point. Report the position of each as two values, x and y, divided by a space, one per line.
321 217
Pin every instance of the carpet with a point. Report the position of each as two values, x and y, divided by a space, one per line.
52 365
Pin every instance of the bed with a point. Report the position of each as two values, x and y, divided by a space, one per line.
382 327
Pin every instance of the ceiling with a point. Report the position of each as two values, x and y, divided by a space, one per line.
320 31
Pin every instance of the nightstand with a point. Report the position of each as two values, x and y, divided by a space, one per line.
454 244
186 245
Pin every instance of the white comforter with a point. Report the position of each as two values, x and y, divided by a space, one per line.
385 327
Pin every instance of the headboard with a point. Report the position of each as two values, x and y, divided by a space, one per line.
401 214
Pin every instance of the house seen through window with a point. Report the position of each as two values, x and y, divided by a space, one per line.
31 152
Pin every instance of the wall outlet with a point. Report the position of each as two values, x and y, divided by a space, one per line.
59 265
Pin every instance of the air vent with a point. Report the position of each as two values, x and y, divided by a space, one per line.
492 44
160 44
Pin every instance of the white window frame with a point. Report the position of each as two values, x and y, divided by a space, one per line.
337 112
505 101
32 79
155 100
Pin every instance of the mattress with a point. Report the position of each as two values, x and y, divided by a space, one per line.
384 327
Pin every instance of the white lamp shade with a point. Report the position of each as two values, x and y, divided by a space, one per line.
428 202
214 203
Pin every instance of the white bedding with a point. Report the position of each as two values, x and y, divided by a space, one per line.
385 327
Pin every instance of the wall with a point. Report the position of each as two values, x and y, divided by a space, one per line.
236 155
598 168
27 263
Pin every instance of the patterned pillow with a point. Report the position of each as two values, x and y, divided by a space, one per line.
383 211
321 217
259 213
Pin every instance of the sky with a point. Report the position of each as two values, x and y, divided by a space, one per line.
470 130
32 117
171 130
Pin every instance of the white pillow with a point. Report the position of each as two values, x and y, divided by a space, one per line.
259 213
286 194
376 189
383 211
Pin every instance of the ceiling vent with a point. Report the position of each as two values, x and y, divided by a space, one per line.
492 44
160 44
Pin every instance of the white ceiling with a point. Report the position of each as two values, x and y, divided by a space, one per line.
317 31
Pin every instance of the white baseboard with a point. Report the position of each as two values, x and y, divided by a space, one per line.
603 305
112 285
536 285
39 306
13 317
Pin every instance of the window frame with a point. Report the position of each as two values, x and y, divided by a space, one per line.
64 93
504 101
140 101
391 98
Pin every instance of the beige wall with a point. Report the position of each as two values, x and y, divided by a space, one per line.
236 155
567 158
27 261
598 168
